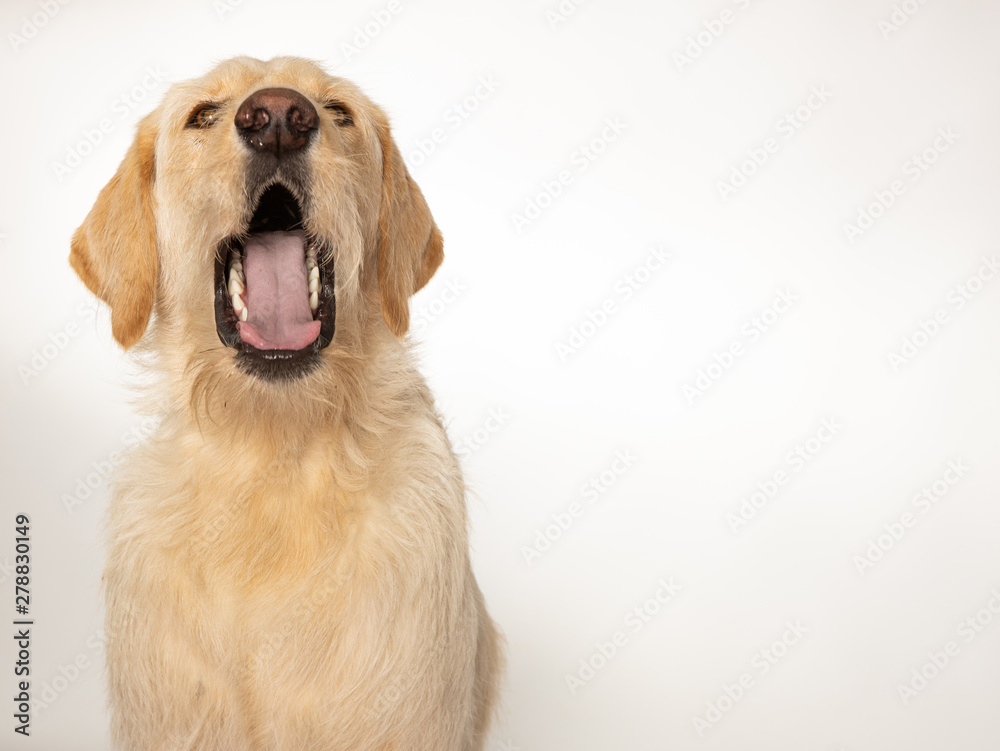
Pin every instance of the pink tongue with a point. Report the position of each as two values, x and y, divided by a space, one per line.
277 292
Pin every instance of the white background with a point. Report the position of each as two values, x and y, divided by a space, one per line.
688 125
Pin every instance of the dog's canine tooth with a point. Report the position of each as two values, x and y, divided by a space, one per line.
238 305
243 314
313 267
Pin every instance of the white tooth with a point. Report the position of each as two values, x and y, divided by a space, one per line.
310 263
314 300
235 285
314 285
243 314
238 304
314 273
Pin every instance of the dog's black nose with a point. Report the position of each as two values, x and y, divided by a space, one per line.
276 120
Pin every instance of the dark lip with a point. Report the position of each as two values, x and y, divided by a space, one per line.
280 364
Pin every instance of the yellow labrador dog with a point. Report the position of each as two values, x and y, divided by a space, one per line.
288 564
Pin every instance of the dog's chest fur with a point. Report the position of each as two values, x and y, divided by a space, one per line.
258 588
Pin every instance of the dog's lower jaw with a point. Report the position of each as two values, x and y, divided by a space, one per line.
272 362
339 393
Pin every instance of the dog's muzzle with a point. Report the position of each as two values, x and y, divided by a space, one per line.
274 296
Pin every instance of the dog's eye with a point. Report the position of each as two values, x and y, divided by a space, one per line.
340 113
204 116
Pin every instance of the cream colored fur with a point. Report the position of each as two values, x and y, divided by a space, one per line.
288 561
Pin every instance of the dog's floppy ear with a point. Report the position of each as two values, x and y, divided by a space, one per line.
114 250
410 247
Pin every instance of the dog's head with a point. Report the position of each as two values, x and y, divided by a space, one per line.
264 213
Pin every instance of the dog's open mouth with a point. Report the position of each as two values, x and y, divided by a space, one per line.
274 300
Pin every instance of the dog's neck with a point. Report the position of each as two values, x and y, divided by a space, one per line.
354 408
